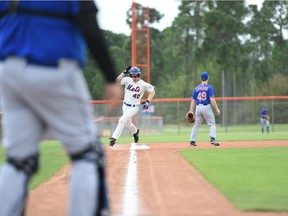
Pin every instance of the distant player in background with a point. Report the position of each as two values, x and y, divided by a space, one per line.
264 119
43 48
202 98
134 89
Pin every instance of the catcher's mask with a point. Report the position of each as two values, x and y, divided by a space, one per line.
135 71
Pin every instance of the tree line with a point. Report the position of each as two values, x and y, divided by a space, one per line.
243 49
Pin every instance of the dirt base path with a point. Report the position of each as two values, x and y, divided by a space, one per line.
167 184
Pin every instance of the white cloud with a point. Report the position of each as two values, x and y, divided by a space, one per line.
112 13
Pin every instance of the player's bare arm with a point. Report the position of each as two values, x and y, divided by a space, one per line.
192 105
122 74
214 104
146 104
151 96
120 77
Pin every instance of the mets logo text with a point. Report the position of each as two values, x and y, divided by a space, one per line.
133 89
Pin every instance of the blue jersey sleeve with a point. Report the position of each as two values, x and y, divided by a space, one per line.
194 94
211 92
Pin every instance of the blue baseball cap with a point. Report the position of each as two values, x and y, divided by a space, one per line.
204 76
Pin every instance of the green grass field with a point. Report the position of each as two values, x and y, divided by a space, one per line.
252 179
172 133
52 159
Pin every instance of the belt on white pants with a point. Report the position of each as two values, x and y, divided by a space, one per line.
131 105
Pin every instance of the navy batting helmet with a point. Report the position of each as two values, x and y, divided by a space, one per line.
135 71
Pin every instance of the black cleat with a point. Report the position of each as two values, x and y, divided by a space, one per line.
136 136
192 143
214 142
112 141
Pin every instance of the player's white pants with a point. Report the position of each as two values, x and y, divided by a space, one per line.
264 122
37 98
12 190
126 120
83 188
203 113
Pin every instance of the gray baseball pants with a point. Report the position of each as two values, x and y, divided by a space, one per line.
203 113
36 99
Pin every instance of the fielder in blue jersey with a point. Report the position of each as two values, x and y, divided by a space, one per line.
264 119
43 48
202 98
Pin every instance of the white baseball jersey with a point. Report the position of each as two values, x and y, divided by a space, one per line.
134 91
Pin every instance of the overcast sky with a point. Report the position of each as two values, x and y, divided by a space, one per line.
112 13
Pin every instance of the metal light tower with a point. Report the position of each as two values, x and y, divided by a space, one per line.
140 40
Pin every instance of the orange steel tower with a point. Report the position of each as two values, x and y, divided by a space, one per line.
140 40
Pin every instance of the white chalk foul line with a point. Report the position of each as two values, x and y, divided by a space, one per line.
130 202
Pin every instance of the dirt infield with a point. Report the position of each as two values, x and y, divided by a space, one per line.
166 184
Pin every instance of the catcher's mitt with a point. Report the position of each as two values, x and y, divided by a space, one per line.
190 117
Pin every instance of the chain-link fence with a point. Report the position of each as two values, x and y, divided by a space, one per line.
233 112
164 112
106 123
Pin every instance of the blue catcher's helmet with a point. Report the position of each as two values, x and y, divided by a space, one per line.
135 71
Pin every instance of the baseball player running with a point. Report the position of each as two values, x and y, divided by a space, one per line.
202 98
134 91
264 119
43 51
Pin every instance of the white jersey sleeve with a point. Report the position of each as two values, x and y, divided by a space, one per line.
134 91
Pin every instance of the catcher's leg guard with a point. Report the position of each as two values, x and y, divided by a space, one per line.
14 178
88 184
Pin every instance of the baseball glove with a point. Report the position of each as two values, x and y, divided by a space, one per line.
190 117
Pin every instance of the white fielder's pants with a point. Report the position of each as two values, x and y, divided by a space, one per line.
203 113
264 122
126 120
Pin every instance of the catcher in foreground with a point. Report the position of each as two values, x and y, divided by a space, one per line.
53 69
